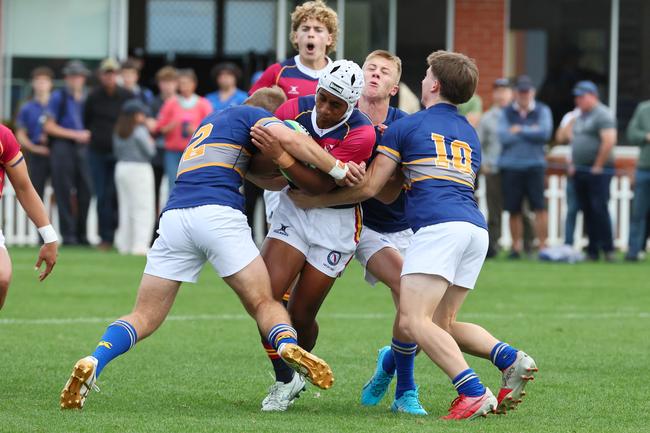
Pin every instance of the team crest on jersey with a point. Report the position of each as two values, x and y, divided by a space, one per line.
293 90
282 230
333 258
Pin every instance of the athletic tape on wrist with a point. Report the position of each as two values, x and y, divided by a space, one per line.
339 171
48 234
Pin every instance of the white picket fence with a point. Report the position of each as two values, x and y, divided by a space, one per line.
620 204
18 230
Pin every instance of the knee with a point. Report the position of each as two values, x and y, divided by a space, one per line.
408 325
445 322
4 288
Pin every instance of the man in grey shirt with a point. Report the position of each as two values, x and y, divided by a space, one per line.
594 137
491 150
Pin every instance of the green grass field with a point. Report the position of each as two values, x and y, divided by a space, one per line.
586 325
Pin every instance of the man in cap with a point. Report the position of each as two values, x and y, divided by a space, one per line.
69 152
100 114
594 137
524 128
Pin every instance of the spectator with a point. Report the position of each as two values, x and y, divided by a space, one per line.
69 153
638 133
594 137
524 128
472 110
133 148
491 149
563 135
130 75
226 75
167 81
177 120
100 114
29 128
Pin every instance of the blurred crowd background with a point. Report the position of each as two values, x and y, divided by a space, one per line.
553 73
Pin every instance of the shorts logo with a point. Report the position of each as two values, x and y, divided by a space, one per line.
338 89
282 230
333 258
293 90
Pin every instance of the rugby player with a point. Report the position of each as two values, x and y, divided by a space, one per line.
204 221
439 154
385 236
12 162
314 245
314 31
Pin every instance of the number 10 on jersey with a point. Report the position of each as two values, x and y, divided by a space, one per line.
460 157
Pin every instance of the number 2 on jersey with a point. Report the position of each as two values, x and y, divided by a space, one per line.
193 150
461 154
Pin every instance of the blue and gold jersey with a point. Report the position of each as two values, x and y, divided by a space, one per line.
440 156
386 218
216 159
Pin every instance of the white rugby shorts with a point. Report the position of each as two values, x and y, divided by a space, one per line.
453 250
2 240
371 242
271 200
190 237
326 237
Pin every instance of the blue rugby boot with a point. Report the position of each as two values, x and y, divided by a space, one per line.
409 403
376 388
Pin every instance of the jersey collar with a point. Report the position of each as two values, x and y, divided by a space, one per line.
313 73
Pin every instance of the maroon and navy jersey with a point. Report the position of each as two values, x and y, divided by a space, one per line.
351 140
291 76
386 218
10 154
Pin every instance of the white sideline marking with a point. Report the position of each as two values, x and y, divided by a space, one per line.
340 316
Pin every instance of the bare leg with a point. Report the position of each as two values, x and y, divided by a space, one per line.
253 286
541 225
386 265
5 274
471 338
306 299
419 299
155 298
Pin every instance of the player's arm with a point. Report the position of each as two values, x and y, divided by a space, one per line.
607 143
304 148
380 172
269 183
31 202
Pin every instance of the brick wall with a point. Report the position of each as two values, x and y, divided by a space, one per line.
480 34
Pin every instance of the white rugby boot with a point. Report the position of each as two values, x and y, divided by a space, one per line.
282 395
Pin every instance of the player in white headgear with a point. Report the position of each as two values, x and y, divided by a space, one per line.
315 244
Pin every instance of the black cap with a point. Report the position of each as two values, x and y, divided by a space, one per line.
524 83
76 67
135 105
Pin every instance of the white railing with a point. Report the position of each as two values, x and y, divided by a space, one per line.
620 204
18 230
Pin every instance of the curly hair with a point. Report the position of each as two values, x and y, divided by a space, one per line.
319 11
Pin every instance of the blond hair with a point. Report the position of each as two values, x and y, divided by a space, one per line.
388 56
319 11
457 74
268 98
